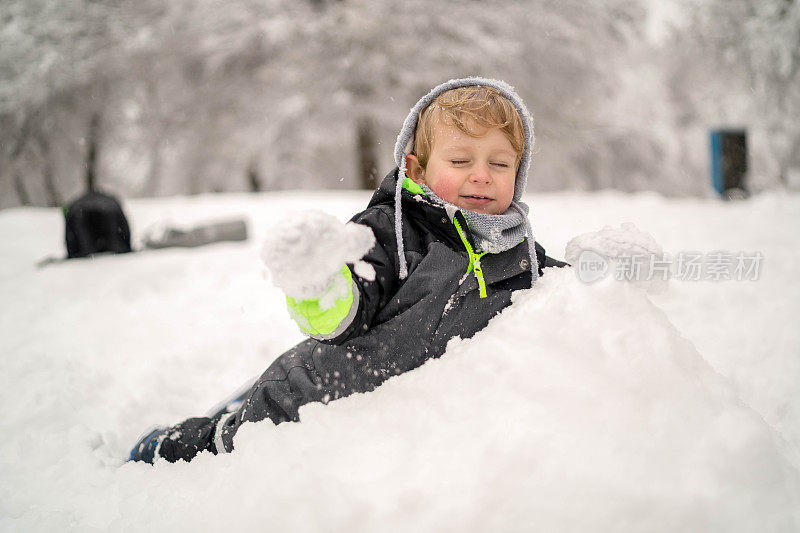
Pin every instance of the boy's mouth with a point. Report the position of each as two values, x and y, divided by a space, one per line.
476 198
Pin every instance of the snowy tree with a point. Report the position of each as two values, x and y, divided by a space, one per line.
738 63
207 96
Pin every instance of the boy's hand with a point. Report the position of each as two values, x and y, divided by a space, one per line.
306 252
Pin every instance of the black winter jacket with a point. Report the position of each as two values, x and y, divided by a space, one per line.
398 326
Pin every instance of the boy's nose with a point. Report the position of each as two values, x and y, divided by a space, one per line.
480 174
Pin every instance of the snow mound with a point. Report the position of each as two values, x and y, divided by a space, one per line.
580 408
305 251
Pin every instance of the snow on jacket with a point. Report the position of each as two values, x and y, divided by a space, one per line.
398 323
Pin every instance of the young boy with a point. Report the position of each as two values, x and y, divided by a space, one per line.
453 241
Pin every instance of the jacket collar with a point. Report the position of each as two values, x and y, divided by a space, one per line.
496 267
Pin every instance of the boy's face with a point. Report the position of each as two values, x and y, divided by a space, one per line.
475 173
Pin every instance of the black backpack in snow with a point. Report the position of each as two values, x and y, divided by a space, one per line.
95 223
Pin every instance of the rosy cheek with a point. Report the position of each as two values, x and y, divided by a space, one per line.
446 189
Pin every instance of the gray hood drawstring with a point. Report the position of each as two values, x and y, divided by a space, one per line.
404 146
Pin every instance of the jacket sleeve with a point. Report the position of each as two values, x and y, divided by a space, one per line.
545 260
351 302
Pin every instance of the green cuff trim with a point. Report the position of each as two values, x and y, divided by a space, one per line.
325 323
412 186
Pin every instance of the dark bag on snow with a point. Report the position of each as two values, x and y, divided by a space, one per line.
95 223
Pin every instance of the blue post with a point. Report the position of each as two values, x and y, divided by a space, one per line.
716 161
729 162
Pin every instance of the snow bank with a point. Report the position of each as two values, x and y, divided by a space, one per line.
581 407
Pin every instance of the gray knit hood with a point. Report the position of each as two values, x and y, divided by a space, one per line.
405 142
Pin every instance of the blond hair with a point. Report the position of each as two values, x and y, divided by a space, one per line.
484 106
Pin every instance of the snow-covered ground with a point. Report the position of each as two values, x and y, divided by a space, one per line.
583 407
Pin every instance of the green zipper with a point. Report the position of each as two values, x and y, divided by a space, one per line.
474 259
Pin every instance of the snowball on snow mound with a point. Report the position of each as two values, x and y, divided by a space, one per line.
623 253
305 252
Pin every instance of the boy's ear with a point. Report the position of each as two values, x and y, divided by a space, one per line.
414 170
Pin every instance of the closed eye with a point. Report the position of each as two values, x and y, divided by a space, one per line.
459 161
501 164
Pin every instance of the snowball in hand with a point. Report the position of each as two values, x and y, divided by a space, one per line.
607 252
304 253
